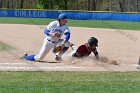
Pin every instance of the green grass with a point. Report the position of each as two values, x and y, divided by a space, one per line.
69 82
106 24
5 47
76 23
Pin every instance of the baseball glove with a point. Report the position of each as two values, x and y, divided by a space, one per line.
58 48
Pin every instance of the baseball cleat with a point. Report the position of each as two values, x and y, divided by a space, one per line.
139 61
138 67
58 58
23 56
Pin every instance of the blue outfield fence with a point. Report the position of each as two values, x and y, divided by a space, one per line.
76 15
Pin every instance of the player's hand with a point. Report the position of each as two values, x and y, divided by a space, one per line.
53 34
97 57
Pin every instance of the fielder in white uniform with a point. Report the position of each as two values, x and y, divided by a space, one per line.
54 31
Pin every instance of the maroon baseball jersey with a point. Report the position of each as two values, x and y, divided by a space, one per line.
84 51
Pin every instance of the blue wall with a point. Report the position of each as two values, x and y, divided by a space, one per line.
77 15
29 13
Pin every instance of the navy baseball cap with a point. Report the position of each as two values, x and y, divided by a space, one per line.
62 16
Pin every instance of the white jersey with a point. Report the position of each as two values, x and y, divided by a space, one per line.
55 27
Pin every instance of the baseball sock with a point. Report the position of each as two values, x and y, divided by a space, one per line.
63 51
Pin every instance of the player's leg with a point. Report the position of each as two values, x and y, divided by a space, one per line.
44 50
46 47
66 47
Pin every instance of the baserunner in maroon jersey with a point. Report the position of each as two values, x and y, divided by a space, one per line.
86 49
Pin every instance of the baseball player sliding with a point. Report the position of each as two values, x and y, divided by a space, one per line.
54 31
86 49
83 50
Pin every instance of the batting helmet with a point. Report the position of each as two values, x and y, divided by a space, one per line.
92 41
62 16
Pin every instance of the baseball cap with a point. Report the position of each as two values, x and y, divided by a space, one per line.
62 16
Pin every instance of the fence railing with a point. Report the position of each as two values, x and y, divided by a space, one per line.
76 15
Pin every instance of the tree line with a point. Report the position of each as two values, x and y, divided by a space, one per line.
90 5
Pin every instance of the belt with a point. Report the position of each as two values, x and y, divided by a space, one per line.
51 41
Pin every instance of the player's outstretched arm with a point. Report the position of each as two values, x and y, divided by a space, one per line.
96 55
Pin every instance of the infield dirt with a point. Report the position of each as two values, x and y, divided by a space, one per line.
122 46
